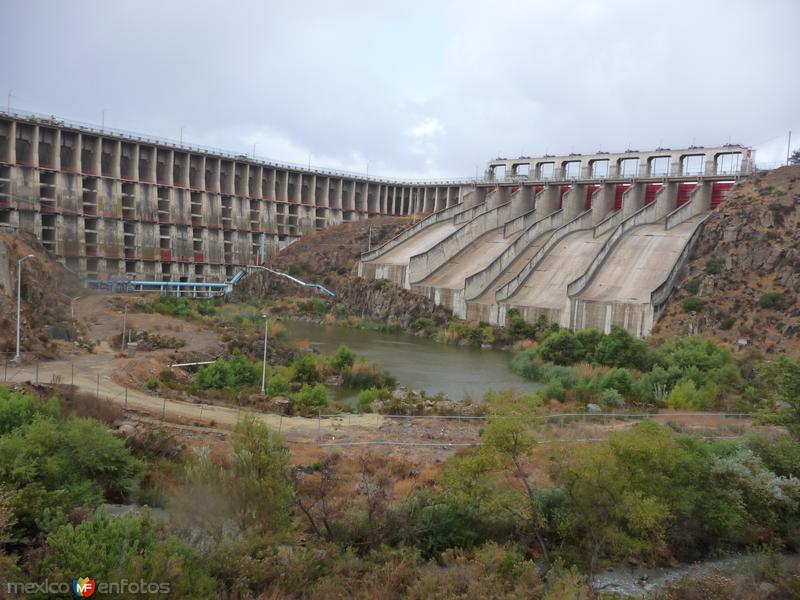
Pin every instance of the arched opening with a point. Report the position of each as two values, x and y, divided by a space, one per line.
728 162
600 168
684 193
497 172
546 170
693 164
522 170
572 169
629 167
659 166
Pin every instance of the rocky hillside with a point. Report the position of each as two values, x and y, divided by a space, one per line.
46 289
743 279
329 257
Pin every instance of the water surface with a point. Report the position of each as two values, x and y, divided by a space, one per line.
419 363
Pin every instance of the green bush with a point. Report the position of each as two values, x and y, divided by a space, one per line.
686 396
693 304
151 384
620 349
277 385
561 348
714 265
553 390
364 374
564 375
310 399
589 339
131 548
206 309
307 368
58 465
620 380
342 359
527 364
368 396
693 286
236 373
18 409
517 326
772 301
611 398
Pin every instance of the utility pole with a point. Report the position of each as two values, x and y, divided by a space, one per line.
124 328
19 294
181 142
264 365
8 100
103 121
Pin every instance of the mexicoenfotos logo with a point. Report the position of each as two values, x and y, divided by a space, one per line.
83 587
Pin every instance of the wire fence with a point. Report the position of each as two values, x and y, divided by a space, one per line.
351 429
570 428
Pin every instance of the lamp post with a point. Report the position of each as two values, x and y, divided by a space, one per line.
19 293
264 365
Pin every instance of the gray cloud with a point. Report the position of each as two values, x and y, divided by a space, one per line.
414 88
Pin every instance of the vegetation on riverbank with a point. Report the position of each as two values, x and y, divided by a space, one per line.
509 518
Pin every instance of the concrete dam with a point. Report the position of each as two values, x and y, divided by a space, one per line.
585 241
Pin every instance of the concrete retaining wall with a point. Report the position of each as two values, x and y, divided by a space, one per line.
478 283
582 221
422 265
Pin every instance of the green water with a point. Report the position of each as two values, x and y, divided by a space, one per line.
418 363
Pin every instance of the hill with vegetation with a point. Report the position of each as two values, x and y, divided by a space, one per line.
743 278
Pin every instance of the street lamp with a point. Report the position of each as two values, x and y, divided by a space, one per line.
19 292
264 365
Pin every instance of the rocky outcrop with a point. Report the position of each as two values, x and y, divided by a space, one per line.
749 251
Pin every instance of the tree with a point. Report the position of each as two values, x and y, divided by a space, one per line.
620 349
561 348
794 159
781 379
132 548
251 494
57 466
508 440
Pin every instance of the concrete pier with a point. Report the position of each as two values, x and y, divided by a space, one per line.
111 204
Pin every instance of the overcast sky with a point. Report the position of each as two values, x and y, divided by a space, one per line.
414 89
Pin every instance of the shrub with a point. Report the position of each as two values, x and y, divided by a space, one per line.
686 396
368 396
278 385
693 286
618 379
772 301
714 265
527 364
561 348
517 326
564 375
425 324
311 398
611 398
18 409
553 390
151 384
620 349
235 373
206 309
588 339
307 368
364 374
693 304
343 358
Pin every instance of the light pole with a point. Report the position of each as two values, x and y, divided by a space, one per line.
264 365
19 293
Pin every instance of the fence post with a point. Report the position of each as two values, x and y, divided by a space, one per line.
126 397
37 370
97 390
280 423
319 425
72 373
5 373
164 410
